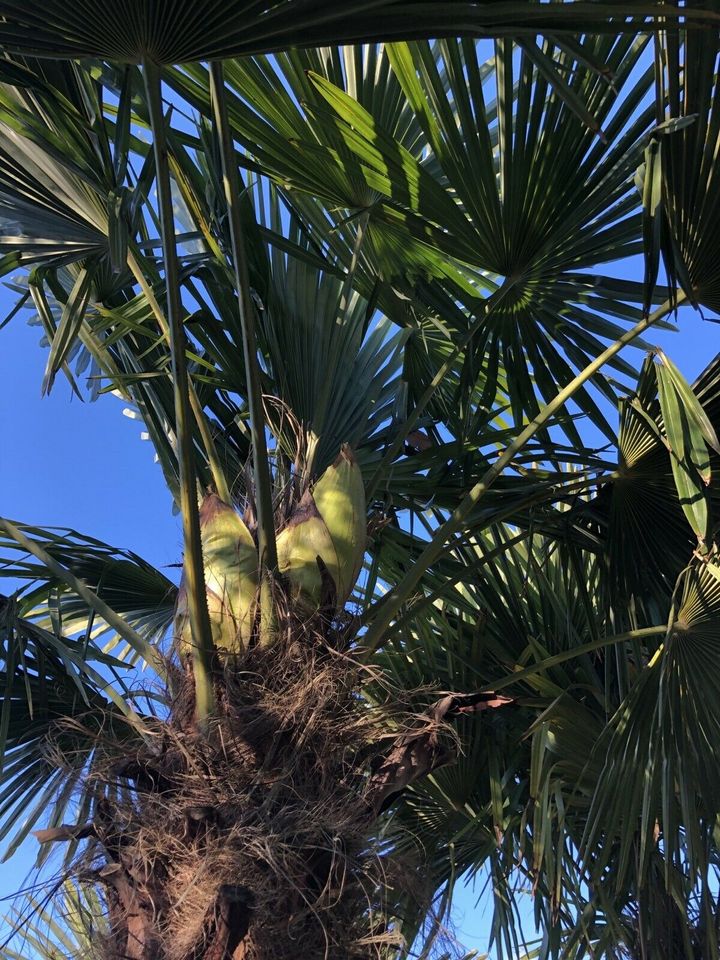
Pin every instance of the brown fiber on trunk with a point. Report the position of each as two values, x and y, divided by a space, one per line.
255 841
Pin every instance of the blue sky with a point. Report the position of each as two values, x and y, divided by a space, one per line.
74 464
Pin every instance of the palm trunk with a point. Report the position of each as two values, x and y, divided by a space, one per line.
241 835
254 841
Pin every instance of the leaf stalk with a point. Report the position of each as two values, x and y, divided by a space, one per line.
203 647
261 467
231 182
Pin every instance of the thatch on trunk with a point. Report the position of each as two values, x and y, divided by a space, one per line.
257 839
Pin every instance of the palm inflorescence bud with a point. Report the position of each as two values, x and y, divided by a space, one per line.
230 559
320 553
326 536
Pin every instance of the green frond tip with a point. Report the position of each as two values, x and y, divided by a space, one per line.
689 434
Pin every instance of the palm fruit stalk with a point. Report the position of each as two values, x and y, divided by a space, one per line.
230 560
326 535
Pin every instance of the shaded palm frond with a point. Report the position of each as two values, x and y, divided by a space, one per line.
184 31
681 197
644 515
61 696
135 590
660 745
514 805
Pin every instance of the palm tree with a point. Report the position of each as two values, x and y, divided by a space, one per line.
423 627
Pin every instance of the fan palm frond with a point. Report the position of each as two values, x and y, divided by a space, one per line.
61 696
445 184
660 745
514 804
643 514
182 31
681 197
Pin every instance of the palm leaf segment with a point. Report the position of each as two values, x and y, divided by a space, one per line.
56 706
661 744
499 811
58 172
132 587
68 680
71 925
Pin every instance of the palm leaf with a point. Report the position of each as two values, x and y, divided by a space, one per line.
54 207
680 191
661 744
59 698
184 31
70 925
514 208
432 197
515 805
639 515
128 585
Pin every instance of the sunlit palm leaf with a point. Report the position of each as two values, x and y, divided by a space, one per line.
54 203
443 195
516 211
